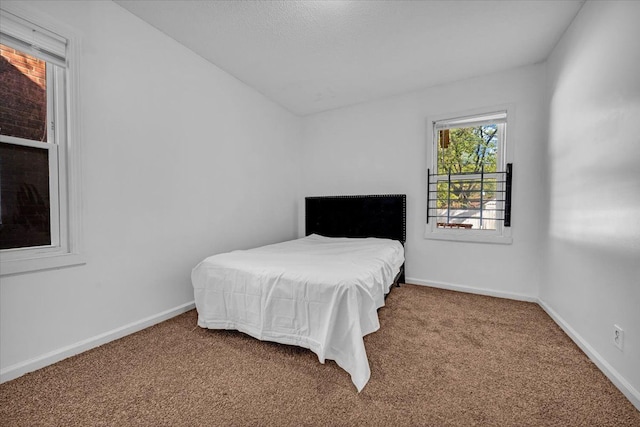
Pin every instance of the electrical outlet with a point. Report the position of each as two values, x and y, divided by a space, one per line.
618 336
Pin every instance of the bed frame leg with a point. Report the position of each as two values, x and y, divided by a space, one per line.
400 277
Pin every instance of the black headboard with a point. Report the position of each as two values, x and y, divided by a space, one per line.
381 216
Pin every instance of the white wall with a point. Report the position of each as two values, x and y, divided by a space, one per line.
380 147
180 161
592 278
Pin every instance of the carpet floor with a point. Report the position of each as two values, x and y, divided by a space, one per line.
440 358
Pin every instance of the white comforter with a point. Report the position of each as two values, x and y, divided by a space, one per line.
316 292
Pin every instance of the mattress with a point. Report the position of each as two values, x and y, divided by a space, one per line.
315 292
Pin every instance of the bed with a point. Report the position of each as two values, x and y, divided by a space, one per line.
322 291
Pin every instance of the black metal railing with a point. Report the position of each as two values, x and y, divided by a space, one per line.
497 183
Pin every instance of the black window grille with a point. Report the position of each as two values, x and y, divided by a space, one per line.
444 203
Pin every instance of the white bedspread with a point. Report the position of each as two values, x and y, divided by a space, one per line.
316 292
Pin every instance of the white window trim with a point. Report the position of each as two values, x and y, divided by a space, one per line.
68 250
503 235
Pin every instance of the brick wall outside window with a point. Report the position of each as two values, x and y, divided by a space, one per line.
23 111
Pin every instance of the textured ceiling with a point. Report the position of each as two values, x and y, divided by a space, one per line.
311 56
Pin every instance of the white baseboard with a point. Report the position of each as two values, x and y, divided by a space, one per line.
614 376
19 369
471 290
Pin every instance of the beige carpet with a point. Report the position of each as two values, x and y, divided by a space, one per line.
441 358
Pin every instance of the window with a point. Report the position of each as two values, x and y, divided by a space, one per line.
39 213
468 194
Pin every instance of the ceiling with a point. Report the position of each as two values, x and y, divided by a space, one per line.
312 56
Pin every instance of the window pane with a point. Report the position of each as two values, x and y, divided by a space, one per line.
24 197
23 90
468 203
463 150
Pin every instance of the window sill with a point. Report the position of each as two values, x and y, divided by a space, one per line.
467 236
27 265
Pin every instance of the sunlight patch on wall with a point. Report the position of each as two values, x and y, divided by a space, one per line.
595 170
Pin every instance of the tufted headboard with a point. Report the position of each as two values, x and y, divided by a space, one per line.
376 215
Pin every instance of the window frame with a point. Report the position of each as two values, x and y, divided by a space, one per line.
502 234
64 155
